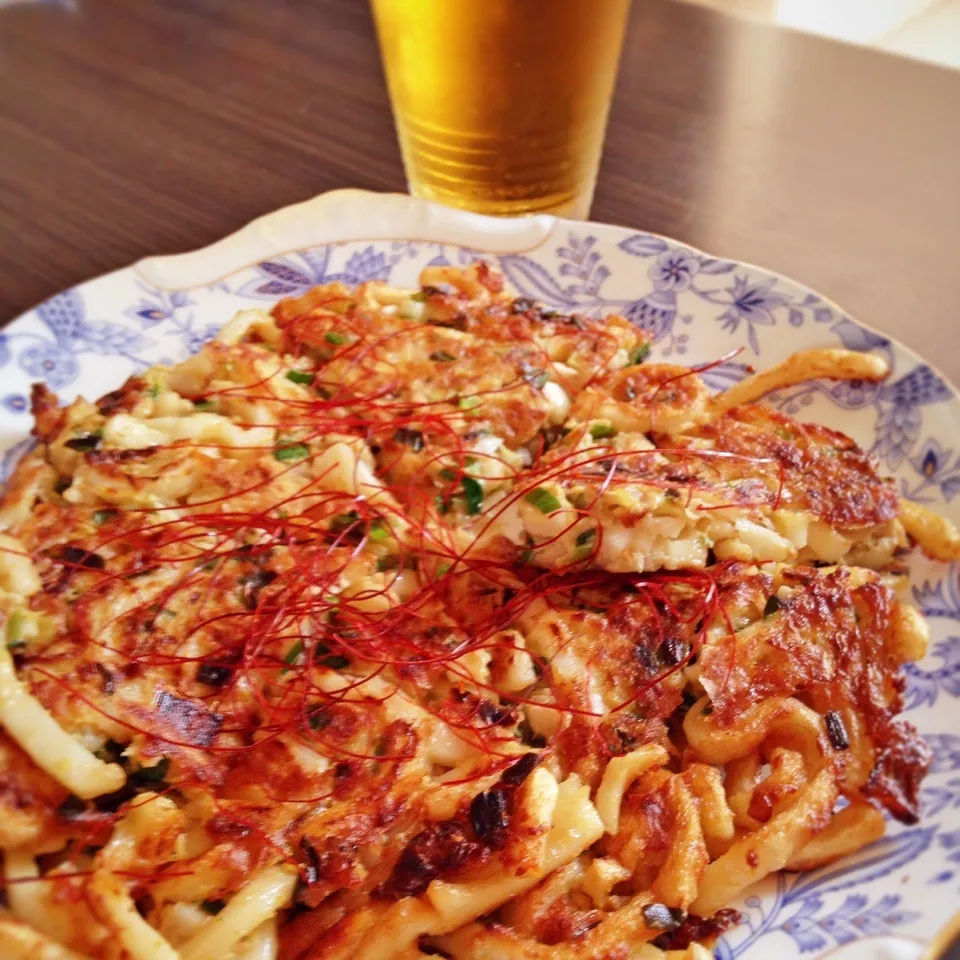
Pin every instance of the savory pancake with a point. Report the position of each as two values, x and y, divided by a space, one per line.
402 623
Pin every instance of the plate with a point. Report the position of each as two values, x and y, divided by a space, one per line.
890 898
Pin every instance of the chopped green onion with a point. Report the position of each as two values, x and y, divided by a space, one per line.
420 296
640 354
442 503
447 474
525 557
293 451
16 629
600 431
336 338
100 517
300 376
293 654
473 494
586 537
543 500
379 532
443 569
468 403
154 390
783 433
536 378
203 405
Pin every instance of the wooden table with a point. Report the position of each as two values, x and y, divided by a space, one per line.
131 128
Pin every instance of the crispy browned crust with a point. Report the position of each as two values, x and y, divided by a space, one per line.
824 471
304 667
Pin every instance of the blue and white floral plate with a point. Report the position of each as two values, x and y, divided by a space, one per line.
891 898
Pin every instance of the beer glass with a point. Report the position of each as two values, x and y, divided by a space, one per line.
501 105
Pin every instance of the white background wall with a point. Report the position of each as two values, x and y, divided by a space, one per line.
861 21
925 29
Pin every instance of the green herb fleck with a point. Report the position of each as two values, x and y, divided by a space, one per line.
336 338
420 296
473 494
389 562
447 474
293 451
543 500
379 532
300 376
586 537
16 630
468 403
525 557
600 431
536 378
100 517
293 654
203 405
640 354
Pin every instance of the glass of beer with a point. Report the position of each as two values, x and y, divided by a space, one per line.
501 105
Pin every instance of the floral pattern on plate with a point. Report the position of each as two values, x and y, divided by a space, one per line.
697 309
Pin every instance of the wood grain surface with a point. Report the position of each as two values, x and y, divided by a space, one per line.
135 128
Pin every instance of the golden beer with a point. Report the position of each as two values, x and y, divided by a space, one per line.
501 105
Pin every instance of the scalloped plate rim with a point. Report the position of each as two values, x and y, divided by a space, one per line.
251 243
